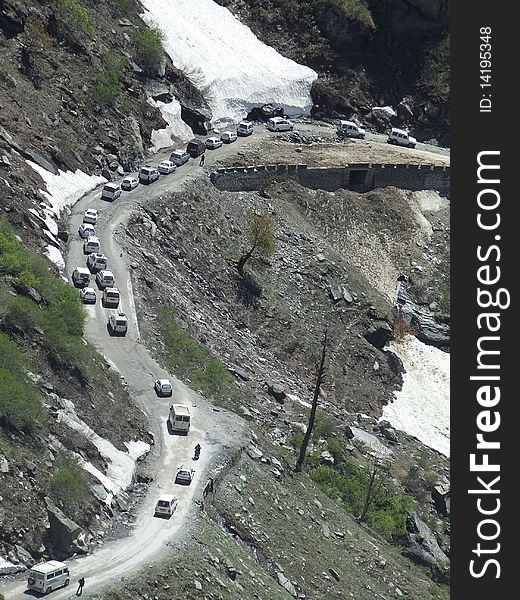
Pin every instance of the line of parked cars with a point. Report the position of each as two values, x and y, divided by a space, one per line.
97 265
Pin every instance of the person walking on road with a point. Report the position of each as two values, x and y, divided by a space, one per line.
202 159
81 583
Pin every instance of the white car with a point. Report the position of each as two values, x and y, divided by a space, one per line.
97 261
228 137
179 157
118 324
91 244
350 129
129 183
166 506
213 142
279 124
88 295
184 475
90 216
105 278
166 167
86 230
400 137
163 388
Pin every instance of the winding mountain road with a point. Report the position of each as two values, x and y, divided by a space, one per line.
128 356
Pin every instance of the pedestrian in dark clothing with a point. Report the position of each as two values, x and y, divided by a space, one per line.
81 583
202 159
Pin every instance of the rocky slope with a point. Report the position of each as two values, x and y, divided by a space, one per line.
368 53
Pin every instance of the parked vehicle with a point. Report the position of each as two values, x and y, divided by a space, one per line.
228 137
350 129
148 175
111 191
90 216
118 324
184 475
195 148
213 142
179 157
163 388
86 230
105 279
279 124
91 245
80 277
129 183
88 295
245 128
48 576
166 167
97 262
400 137
179 418
165 506
111 297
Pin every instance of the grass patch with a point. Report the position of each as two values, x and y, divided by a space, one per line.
59 317
68 485
107 87
20 403
75 16
190 362
149 50
349 484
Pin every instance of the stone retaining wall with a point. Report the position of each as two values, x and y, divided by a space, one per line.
360 177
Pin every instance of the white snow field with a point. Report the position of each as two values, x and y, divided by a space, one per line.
422 407
223 58
177 129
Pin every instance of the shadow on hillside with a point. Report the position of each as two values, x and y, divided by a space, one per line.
248 290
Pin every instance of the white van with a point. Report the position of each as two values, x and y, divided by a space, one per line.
91 245
111 191
179 157
105 279
350 129
400 137
179 418
228 137
97 261
245 128
80 277
279 124
166 505
48 576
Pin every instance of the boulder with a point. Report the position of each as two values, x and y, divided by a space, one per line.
441 498
390 434
23 556
379 334
277 391
286 584
265 112
131 149
63 532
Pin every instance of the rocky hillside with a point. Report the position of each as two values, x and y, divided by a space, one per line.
367 53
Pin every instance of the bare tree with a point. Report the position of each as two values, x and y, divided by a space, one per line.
374 485
262 238
320 376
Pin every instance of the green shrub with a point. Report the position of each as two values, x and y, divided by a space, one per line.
148 48
190 361
68 485
296 440
107 87
323 426
335 447
20 404
75 16
387 512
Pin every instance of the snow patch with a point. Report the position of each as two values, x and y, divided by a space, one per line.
222 57
177 128
422 407
55 256
66 188
384 110
7 568
121 465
